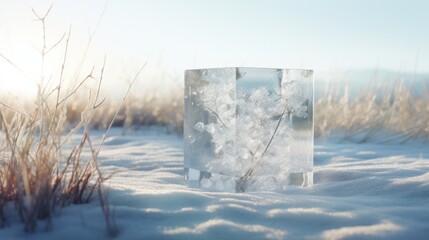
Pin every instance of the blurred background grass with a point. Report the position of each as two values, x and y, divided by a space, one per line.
384 101
371 109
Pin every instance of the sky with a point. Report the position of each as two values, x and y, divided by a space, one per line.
171 36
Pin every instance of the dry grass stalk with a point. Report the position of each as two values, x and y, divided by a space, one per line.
33 172
149 109
384 113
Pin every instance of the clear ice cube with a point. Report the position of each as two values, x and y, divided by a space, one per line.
248 129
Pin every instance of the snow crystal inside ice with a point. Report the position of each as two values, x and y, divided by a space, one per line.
249 127
199 126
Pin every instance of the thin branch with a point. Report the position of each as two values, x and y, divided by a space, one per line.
46 14
56 44
119 107
275 131
217 115
58 88
99 85
77 88
16 110
91 37
242 182
15 66
100 103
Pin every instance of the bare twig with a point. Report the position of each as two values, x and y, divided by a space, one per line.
15 110
119 107
89 76
15 66
217 116
243 182
91 37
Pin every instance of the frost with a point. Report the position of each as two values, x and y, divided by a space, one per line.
256 131
199 126
210 128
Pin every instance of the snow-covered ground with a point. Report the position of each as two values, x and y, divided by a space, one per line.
361 191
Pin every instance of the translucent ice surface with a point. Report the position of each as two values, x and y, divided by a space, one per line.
248 129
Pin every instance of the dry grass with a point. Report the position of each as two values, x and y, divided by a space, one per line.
388 112
150 109
33 171
37 172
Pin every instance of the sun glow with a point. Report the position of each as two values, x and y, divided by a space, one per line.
21 73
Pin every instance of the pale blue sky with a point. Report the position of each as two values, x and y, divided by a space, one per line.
315 34
172 35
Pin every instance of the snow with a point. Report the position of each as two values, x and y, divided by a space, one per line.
360 191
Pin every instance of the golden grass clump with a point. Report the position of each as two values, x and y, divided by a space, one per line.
377 113
32 171
381 112
150 109
40 169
